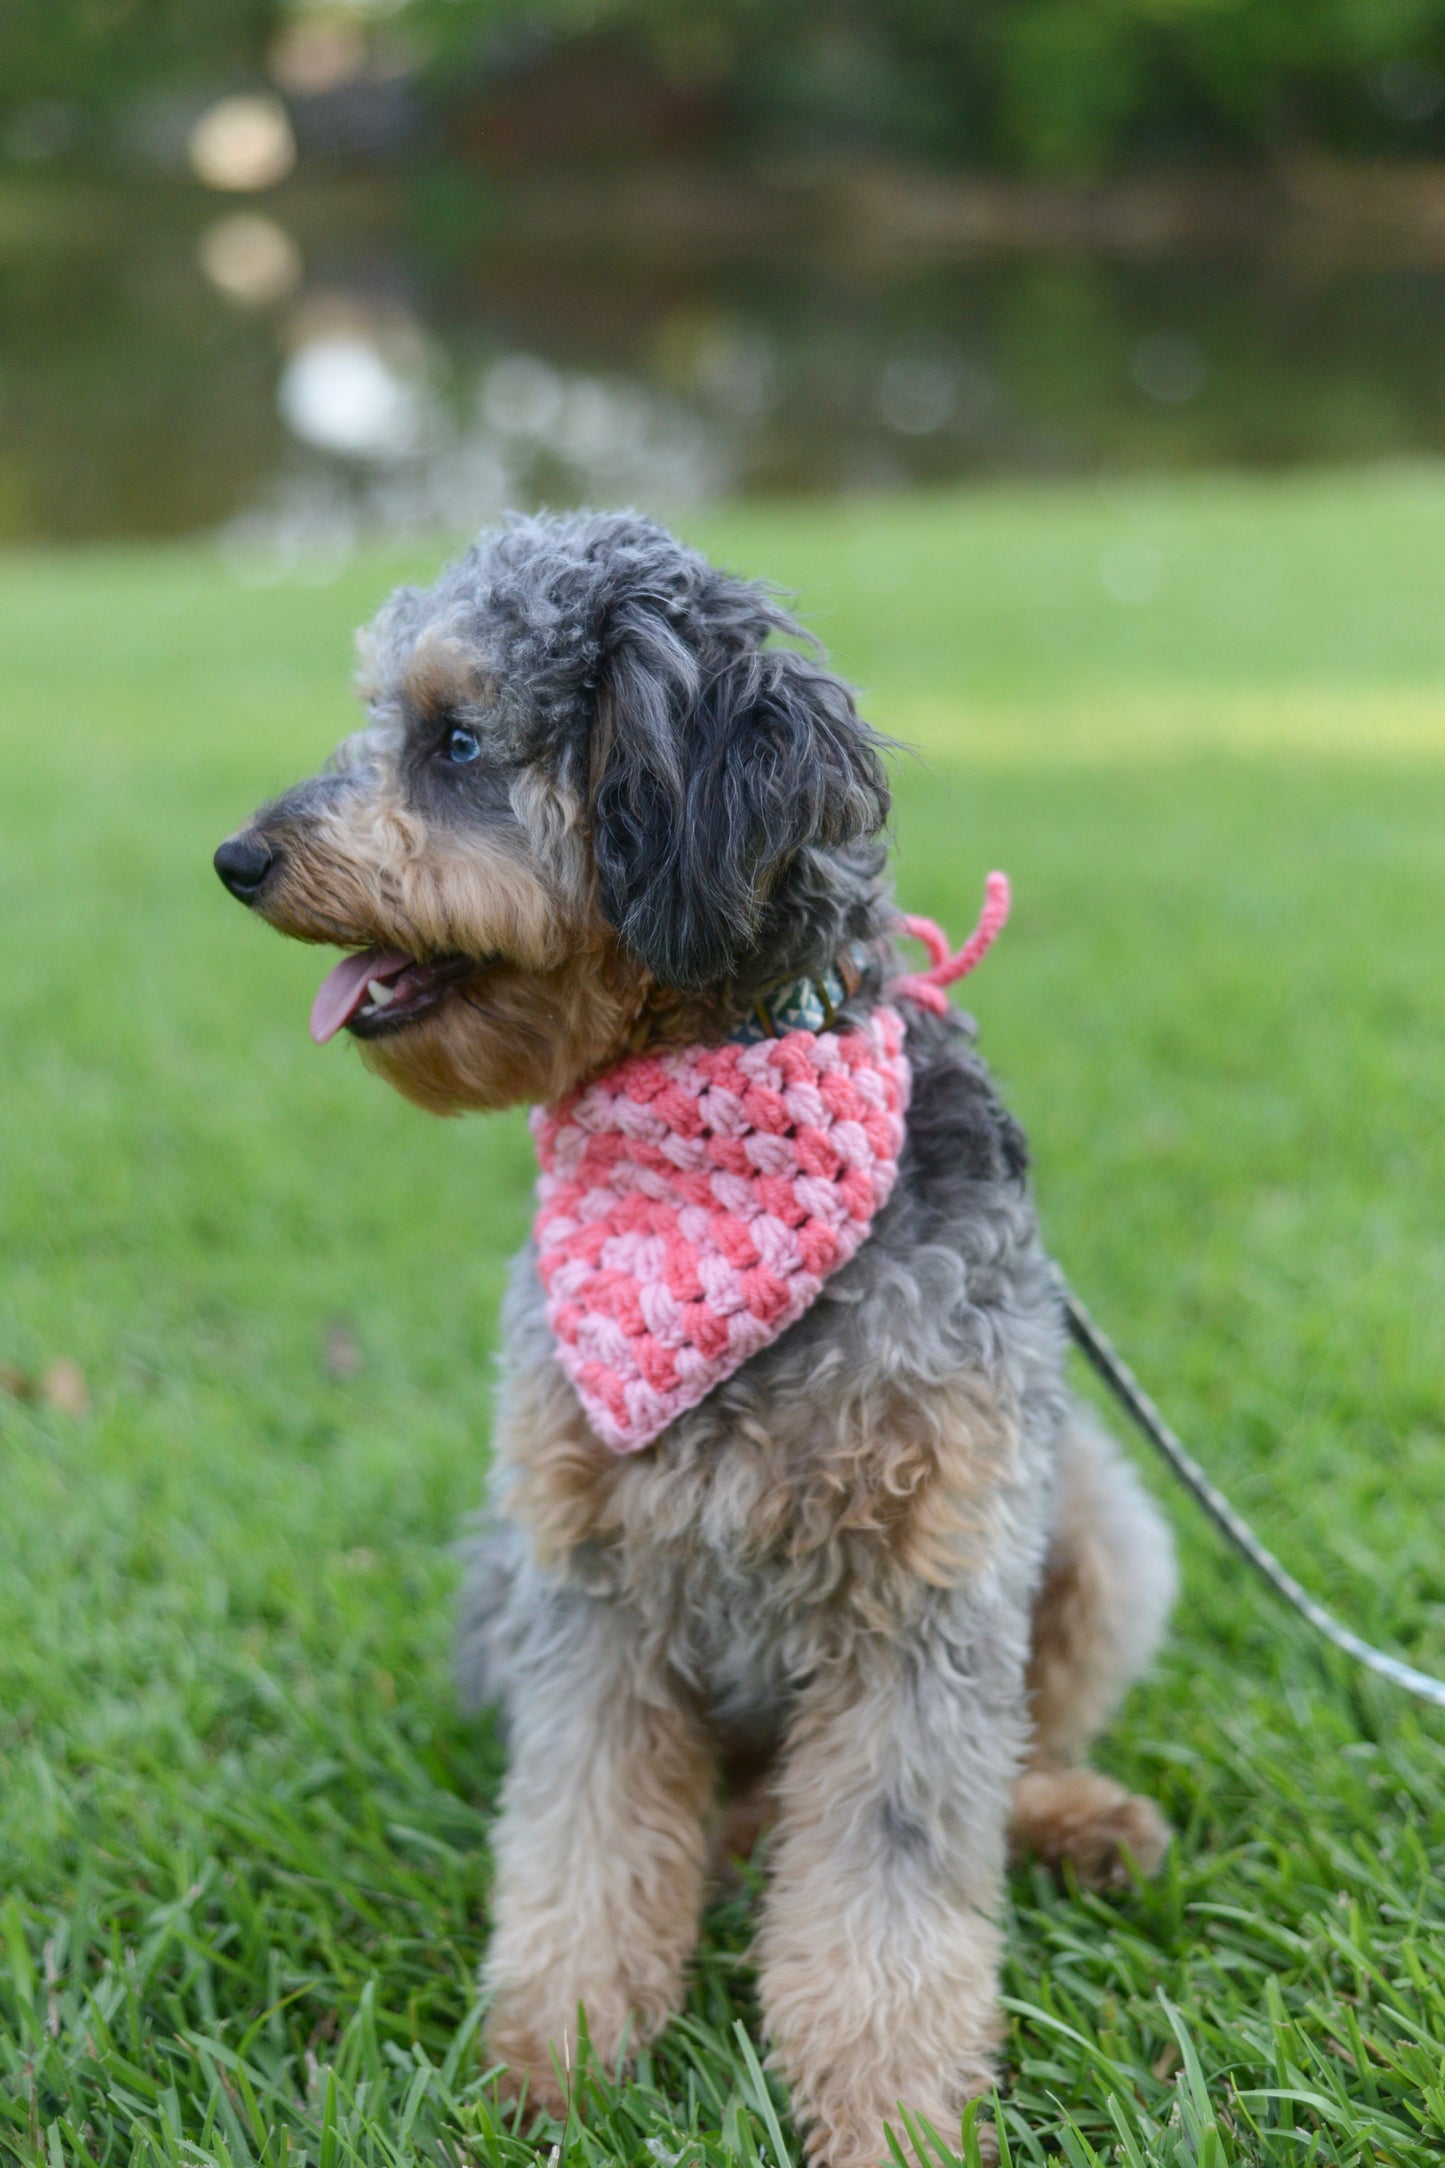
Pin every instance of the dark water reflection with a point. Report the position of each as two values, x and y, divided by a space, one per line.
299 372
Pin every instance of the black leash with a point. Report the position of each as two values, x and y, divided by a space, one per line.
1131 1395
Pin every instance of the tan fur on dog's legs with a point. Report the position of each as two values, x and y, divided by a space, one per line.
1108 1584
879 1947
600 1854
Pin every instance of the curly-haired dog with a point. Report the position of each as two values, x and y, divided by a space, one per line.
884 1581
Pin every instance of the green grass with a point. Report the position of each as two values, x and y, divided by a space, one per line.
243 1831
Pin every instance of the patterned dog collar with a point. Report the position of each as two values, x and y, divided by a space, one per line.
805 1005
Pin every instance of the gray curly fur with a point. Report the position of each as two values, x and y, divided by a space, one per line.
951 1280
726 779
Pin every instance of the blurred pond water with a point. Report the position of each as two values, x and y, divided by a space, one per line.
327 362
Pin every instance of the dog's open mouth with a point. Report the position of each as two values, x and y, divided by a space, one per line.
378 990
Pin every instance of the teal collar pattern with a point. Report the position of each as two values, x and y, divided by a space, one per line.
800 1005
813 1004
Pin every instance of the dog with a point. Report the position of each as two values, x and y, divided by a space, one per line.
878 1585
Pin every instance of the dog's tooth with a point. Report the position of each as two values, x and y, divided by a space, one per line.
380 992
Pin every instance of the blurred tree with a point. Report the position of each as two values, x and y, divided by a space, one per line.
1079 86
80 61
1074 86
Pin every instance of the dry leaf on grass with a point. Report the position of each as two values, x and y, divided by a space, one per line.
63 1387
341 1355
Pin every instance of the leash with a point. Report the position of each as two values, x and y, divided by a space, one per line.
1110 1365
927 989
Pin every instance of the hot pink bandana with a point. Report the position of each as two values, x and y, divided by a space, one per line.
692 1203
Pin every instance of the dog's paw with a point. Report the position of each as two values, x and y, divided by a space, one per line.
534 2083
1077 1818
1113 1848
533 2033
529 2067
864 2144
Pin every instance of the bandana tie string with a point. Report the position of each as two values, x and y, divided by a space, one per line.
926 988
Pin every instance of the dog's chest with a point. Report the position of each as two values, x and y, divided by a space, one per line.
741 1652
747 1575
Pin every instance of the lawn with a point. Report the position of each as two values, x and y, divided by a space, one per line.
243 1829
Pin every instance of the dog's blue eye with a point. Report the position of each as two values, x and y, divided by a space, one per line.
462 746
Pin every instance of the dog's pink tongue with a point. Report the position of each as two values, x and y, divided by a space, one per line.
343 989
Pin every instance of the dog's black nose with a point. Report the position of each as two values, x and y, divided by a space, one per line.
243 863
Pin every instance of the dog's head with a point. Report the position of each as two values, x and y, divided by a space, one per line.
589 796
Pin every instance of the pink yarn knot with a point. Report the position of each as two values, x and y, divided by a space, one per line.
927 987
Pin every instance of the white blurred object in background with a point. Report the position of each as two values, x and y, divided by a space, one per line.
341 393
243 143
251 259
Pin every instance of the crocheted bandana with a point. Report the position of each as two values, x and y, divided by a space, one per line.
692 1202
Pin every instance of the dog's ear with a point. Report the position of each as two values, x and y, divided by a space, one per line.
709 779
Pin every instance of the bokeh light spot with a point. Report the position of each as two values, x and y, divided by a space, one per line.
251 259
243 143
1171 367
341 393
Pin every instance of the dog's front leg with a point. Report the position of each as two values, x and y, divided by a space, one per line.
599 1848
880 1944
